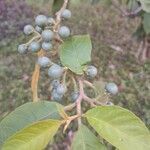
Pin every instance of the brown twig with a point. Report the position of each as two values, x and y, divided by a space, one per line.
69 107
58 15
79 100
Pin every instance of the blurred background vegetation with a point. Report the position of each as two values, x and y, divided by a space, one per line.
114 51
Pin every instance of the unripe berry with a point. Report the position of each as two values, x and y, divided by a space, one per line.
91 71
64 32
55 71
46 46
22 49
74 95
47 35
35 46
38 29
111 88
50 21
41 20
66 14
28 29
44 61
55 96
61 89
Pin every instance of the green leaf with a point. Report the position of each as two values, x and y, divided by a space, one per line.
75 52
27 114
120 127
33 137
146 23
132 5
145 5
84 139
57 4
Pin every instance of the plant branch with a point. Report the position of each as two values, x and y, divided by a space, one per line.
69 107
58 15
79 100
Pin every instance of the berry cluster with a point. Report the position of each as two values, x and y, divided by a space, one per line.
46 32
44 29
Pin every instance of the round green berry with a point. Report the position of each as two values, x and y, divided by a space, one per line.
46 46
55 71
47 35
22 49
64 32
28 29
44 61
66 14
41 20
112 88
35 46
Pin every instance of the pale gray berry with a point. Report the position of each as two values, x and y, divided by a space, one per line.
61 89
55 83
64 32
91 71
111 88
46 46
66 14
22 49
44 61
47 35
35 46
55 71
41 20
28 29
55 96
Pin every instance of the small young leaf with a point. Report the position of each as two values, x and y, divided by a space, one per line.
27 114
146 23
84 139
33 137
76 52
120 127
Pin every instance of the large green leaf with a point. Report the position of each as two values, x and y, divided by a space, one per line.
33 137
84 139
27 114
146 23
120 127
76 52
145 5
